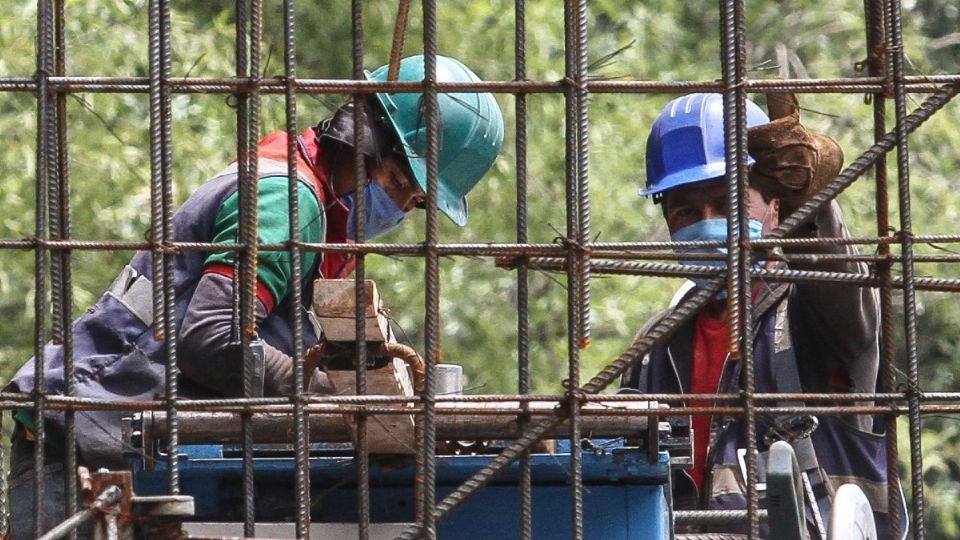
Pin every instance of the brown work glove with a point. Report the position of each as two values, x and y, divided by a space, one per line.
792 162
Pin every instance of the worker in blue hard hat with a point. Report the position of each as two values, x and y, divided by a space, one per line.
115 354
809 336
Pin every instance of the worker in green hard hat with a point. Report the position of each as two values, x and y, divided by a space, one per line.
112 342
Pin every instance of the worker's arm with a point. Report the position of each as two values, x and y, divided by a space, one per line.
837 322
209 352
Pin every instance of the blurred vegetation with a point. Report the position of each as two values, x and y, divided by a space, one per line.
667 40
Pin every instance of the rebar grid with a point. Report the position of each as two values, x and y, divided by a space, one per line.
578 256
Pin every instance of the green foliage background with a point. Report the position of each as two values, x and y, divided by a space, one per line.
665 40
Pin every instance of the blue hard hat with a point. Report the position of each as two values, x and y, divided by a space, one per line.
685 144
471 131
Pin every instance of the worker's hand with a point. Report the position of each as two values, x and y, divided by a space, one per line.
320 383
792 162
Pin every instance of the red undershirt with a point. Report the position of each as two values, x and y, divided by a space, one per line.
710 345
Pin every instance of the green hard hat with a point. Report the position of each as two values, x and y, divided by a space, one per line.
471 131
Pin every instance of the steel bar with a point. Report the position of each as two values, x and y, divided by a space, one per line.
624 249
23 401
739 306
426 429
60 402
876 44
46 170
399 36
201 85
106 499
381 405
61 270
714 517
245 260
361 449
161 214
4 513
301 428
766 275
577 218
907 267
525 482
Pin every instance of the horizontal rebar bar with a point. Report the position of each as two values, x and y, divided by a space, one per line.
278 85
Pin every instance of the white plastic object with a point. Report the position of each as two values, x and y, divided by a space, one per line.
852 516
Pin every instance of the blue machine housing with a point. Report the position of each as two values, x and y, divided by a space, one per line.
625 496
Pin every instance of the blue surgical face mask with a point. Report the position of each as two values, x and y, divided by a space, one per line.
382 214
711 230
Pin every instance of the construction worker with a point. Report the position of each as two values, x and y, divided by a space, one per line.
809 336
116 356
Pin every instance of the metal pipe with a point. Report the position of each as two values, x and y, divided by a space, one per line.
470 423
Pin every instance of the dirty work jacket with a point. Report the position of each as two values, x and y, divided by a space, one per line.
831 333
115 354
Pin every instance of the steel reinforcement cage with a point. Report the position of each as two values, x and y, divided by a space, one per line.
578 256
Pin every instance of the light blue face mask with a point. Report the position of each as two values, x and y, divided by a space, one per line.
382 214
711 230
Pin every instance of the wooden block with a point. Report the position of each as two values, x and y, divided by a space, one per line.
334 311
386 433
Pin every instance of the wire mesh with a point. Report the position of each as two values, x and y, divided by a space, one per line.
577 254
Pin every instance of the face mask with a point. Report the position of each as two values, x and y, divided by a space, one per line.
711 230
382 214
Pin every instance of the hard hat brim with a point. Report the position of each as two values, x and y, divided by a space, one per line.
692 175
453 207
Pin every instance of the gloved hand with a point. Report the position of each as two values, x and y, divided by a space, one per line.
792 162
278 375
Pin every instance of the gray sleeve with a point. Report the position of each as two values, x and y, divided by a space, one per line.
207 353
835 324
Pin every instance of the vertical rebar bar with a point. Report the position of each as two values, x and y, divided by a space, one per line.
574 28
167 237
246 192
361 450
301 427
62 302
733 52
876 40
426 466
523 292
45 172
161 217
907 266
583 172
248 43
4 513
